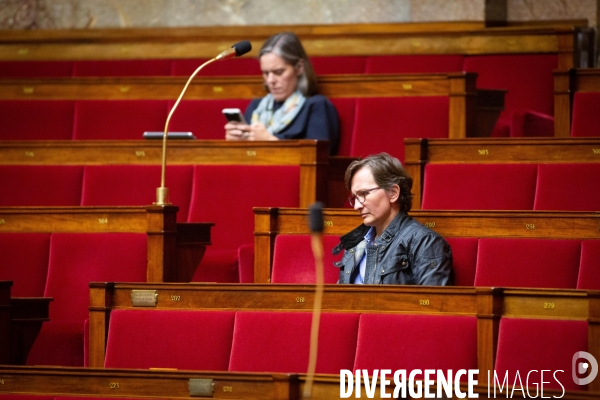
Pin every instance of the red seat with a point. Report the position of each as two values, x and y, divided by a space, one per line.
526 345
324 65
568 187
382 123
225 195
528 79
585 117
25 262
293 260
234 66
76 259
464 259
346 109
246 263
411 64
531 123
280 342
118 119
444 342
479 186
188 340
122 68
36 69
135 185
36 119
528 263
203 117
40 185
589 267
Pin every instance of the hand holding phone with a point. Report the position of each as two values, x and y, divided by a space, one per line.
234 114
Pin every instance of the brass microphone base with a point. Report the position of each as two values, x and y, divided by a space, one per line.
162 196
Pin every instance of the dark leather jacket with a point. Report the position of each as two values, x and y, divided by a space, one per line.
408 253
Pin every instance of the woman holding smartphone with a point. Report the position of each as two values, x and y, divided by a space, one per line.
292 109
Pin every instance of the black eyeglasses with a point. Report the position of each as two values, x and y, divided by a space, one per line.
361 196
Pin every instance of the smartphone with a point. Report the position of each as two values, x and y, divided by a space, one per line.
234 114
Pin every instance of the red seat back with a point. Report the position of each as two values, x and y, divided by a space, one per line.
589 266
585 117
464 259
36 69
156 67
40 185
118 119
479 186
135 185
346 109
568 187
382 123
233 66
528 263
188 340
25 262
411 64
36 119
293 260
526 345
324 65
280 342
444 342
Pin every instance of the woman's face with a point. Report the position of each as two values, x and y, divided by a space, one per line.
280 77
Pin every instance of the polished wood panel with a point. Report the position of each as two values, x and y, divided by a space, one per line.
420 152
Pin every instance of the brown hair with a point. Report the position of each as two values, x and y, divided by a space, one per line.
387 171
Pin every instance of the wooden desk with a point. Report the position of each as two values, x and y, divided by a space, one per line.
420 152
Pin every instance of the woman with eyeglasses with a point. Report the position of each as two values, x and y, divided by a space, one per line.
390 247
292 109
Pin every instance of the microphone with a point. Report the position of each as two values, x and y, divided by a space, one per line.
238 49
315 222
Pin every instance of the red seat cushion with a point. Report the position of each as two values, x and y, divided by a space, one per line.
118 119
585 116
479 186
40 185
135 185
25 262
531 123
36 119
464 259
188 340
59 343
568 187
382 124
589 267
122 68
528 263
526 345
294 262
410 64
444 342
280 342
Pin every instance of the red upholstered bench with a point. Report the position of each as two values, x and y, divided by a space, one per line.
444 342
280 341
346 109
189 340
464 259
36 119
40 185
35 69
203 117
75 260
324 65
479 186
528 263
589 267
585 116
155 67
293 260
526 345
233 66
135 185
382 123
410 64
225 195
25 262
118 119
568 187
